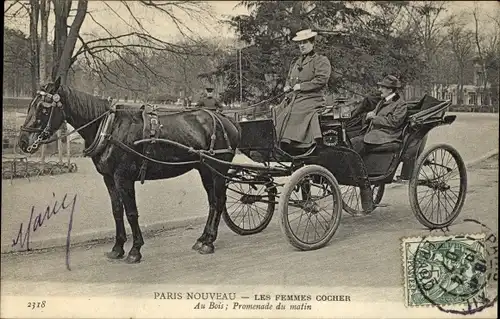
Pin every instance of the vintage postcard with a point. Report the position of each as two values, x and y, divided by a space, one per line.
250 159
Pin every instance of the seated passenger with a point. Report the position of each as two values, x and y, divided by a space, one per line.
384 124
297 125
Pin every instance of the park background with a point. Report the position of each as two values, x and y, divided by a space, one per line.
167 52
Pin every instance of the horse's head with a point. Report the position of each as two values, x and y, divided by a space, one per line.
44 117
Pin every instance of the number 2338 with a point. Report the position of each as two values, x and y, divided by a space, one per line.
36 304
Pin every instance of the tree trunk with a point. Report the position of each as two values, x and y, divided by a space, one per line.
44 14
461 83
34 7
61 13
65 59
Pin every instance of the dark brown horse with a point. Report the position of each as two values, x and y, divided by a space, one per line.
119 160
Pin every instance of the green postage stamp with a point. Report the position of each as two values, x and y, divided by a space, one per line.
448 271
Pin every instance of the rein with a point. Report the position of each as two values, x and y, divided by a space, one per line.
55 138
267 100
56 102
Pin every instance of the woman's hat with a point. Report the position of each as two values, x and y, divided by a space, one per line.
390 81
304 35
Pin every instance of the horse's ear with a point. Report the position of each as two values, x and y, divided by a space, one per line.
57 83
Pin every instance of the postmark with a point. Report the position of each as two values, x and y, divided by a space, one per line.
454 273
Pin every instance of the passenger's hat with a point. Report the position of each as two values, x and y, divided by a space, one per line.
390 81
304 35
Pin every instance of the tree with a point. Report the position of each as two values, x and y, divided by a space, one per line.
66 35
44 53
492 56
460 40
361 41
425 23
34 44
486 52
16 63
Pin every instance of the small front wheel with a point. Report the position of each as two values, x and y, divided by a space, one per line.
310 207
438 186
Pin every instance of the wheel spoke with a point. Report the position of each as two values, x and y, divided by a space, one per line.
249 207
438 194
314 196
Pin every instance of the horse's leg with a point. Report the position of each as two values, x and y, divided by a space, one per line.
126 188
215 187
208 184
117 207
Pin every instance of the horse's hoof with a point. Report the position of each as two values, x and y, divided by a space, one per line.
197 245
133 258
115 254
206 249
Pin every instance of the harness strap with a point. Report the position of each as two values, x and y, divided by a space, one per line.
128 148
151 130
216 119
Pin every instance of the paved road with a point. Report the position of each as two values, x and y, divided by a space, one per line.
363 259
473 135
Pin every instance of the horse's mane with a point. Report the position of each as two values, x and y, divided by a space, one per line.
85 104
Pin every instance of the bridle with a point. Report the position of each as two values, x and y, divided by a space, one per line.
55 102
50 101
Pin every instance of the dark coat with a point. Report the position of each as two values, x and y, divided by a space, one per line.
301 125
388 123
210 103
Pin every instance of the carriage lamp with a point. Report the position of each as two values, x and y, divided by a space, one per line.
345 112
336 113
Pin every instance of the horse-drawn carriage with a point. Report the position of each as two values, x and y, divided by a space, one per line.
128 145
325 179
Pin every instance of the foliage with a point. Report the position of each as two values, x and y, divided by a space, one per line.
16 63
362 45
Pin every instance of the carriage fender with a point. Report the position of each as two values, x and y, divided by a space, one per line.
448 119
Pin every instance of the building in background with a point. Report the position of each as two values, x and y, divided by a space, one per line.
475 92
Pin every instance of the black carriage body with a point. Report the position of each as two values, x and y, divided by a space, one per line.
259 142
257 135
336 156
345 164
423 116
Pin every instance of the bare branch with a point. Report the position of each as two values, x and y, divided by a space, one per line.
22 6
10 7
133 15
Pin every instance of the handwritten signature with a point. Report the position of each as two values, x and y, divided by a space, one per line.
23 236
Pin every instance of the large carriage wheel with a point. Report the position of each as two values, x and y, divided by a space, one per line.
438 185
310 207
249 206
351 198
